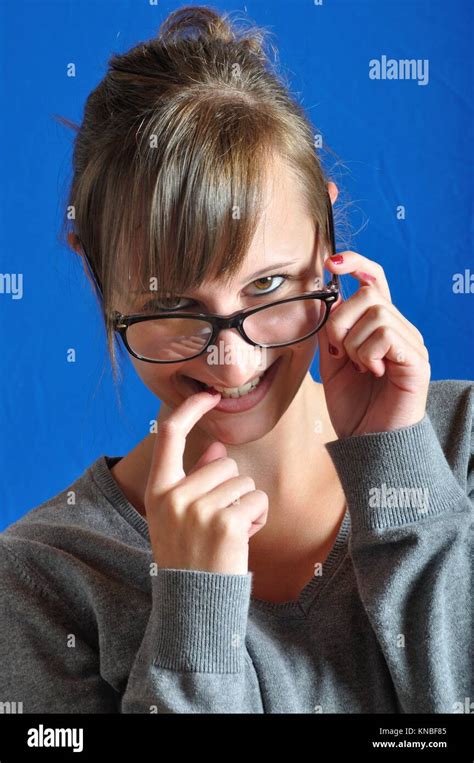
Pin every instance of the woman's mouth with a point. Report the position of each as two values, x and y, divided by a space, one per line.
244 398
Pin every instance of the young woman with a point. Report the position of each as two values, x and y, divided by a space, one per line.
274 544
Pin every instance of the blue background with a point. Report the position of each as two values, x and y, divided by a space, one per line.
396 142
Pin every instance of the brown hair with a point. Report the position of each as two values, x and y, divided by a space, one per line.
170 160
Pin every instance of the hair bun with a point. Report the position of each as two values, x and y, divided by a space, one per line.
203 22
199 22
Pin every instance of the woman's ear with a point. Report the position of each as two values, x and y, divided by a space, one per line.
333 191
74 242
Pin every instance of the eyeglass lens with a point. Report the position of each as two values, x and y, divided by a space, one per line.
179 338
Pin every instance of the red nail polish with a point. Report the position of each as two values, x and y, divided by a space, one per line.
338 259
332 350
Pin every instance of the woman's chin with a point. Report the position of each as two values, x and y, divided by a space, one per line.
239 430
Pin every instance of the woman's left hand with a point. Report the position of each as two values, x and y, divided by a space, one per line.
391 390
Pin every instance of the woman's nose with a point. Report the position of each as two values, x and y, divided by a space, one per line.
233 360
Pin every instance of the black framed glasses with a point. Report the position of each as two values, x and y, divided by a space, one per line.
173 337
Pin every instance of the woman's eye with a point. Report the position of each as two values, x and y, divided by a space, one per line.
167 306
265 282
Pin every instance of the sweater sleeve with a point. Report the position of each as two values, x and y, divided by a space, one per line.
193 658
47 663
411 546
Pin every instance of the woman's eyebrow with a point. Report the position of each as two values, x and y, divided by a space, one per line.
273 266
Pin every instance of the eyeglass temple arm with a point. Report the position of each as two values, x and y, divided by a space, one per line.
334 282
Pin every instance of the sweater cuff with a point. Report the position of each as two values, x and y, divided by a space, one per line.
396 477
200 620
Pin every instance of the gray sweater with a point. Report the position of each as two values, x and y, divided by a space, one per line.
385 626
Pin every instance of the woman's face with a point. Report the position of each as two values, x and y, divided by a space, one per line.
285 235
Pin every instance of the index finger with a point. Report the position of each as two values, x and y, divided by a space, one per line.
360 267
166 468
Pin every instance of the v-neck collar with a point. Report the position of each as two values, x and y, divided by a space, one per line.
100 472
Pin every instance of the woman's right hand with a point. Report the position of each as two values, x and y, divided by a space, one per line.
202 521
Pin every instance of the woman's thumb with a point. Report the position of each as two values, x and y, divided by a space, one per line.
215 450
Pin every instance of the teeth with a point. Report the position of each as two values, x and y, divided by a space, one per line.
237 391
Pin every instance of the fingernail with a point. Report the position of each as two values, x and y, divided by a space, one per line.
337 259
332 350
